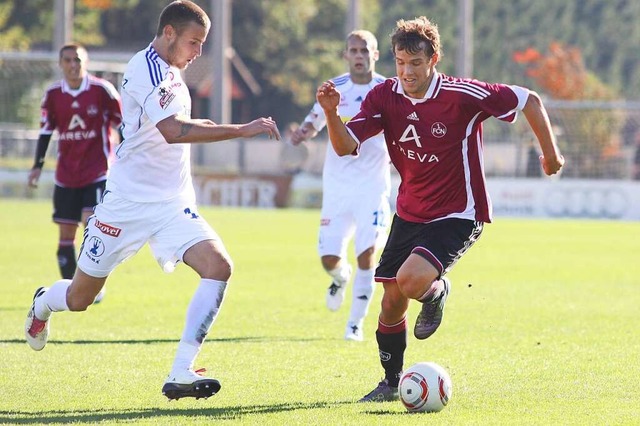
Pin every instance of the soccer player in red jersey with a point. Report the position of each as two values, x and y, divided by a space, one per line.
84 109
432 125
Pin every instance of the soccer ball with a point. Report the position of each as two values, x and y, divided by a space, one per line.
425 387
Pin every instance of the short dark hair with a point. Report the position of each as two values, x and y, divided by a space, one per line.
416 35
71 46
179 14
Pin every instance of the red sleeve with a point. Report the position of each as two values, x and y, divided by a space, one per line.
503 102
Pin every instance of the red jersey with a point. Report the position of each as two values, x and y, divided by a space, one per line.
83 118
435 143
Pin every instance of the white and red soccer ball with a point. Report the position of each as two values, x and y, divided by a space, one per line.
425 387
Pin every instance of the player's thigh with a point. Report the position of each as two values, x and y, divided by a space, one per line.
334 234
182 228
67 205
372 221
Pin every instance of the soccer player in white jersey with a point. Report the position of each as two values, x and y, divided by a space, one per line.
355 191
150 198
432 125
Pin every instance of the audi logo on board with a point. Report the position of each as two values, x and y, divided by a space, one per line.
596 203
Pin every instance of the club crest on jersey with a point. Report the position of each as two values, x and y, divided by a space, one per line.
438 129
166 96
92 110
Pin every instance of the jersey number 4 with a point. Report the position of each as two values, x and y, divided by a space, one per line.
410 134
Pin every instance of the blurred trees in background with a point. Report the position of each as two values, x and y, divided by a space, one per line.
562 74
290 46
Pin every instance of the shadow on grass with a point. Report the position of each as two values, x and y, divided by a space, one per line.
258 339
157 414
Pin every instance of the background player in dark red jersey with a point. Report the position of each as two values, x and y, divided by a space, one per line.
83 109
432 125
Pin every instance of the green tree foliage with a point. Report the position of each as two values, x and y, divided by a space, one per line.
561 72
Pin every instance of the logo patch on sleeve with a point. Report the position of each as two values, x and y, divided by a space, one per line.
166 96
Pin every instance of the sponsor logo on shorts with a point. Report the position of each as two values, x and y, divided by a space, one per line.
325 222
112 231
94 249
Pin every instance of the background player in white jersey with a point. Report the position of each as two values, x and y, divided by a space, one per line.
433 128
83 109
150 196
355 191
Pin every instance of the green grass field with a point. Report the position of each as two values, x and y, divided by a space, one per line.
542 328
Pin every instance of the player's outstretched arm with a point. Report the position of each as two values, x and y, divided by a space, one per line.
551 158
329 98
304 132
178 129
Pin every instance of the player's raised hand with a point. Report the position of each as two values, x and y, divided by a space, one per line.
328 96
261 126
552 164
299 135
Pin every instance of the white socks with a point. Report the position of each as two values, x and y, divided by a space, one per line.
53 300
363 288
341 274
201 314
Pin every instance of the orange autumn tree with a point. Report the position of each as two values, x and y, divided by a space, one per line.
590 134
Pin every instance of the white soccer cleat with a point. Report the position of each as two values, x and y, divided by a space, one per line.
189 384
36 331
354 333
335 296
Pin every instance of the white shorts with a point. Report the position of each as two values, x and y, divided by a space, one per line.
119 228
366 217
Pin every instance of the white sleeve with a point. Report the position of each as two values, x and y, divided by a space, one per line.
157 102
316 117
522 94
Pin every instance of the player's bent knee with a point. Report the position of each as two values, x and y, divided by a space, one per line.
219 269
412 287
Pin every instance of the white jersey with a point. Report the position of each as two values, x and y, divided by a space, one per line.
147 168
350 175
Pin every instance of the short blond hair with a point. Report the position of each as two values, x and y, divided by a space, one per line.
366 36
